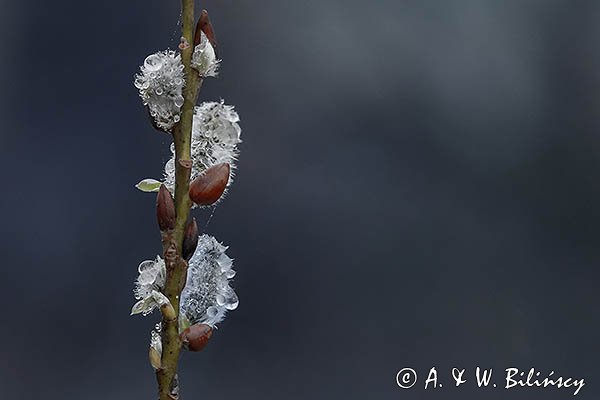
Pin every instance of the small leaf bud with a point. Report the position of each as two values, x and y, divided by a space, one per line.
190 239
165 209
148 185
154 357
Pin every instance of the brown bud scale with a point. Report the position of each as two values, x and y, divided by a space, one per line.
165 209
208 188
196 337
204 25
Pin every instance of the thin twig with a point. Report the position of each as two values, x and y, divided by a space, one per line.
173 242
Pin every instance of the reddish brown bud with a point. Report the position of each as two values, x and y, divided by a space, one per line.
205 26
196 337
209 187
165 209
190 239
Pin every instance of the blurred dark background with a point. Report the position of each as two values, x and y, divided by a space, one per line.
417 187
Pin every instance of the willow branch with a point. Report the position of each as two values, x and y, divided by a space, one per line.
173 241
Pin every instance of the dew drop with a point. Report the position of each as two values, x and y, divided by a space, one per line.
222 283
212 312
170 167
145 266
224 262
146 278
178 100
153 62
229 299
233 304
230 274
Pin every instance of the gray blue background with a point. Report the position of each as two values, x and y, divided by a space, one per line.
418 186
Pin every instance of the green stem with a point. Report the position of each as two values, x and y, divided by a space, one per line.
173 241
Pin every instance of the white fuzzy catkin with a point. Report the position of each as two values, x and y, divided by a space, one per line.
207 295
151 280
160 85
215 136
